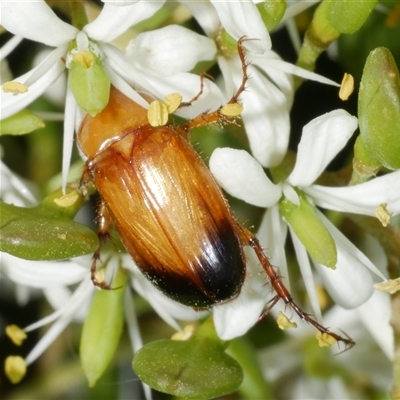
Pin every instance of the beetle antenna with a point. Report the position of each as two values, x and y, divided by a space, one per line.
203 75
282 292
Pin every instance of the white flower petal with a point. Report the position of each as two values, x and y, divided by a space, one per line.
134 332
320 142
243 177
349 247
375 314
35 20
306 272
11 104
58 296
114 20
350 284
237 316
289 68
362 198
241 18
57 91
79 299
169 50
266 119
15 190
187 84
268 63
272 235
205 14
265 114
41 274
68 137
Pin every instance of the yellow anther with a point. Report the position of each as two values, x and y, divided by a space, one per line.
185 334
390 286
383 214
173 101
325 339
15 368
14 87
157 114
231 110
16 334
284 322
347 87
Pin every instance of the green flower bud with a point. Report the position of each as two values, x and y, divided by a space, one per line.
348 16
271 12
102 329
379 109
89 81
21 123
310 230
226 43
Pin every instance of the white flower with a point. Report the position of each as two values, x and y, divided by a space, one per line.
240 175
269 96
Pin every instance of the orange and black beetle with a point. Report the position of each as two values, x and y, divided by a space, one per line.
167 208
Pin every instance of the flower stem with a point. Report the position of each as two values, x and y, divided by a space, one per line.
78 14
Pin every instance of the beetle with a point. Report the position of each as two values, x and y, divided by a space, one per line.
167 208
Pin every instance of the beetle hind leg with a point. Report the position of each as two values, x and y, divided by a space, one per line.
283 294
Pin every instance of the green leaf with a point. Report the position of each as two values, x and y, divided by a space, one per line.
46 232
197 368
102 329
21 123
379 108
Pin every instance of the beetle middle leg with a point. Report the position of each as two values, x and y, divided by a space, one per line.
281 290
104 222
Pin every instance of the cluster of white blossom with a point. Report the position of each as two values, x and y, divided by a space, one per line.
159 62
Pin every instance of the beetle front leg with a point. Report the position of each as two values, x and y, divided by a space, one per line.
224 114
104 222
281 290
